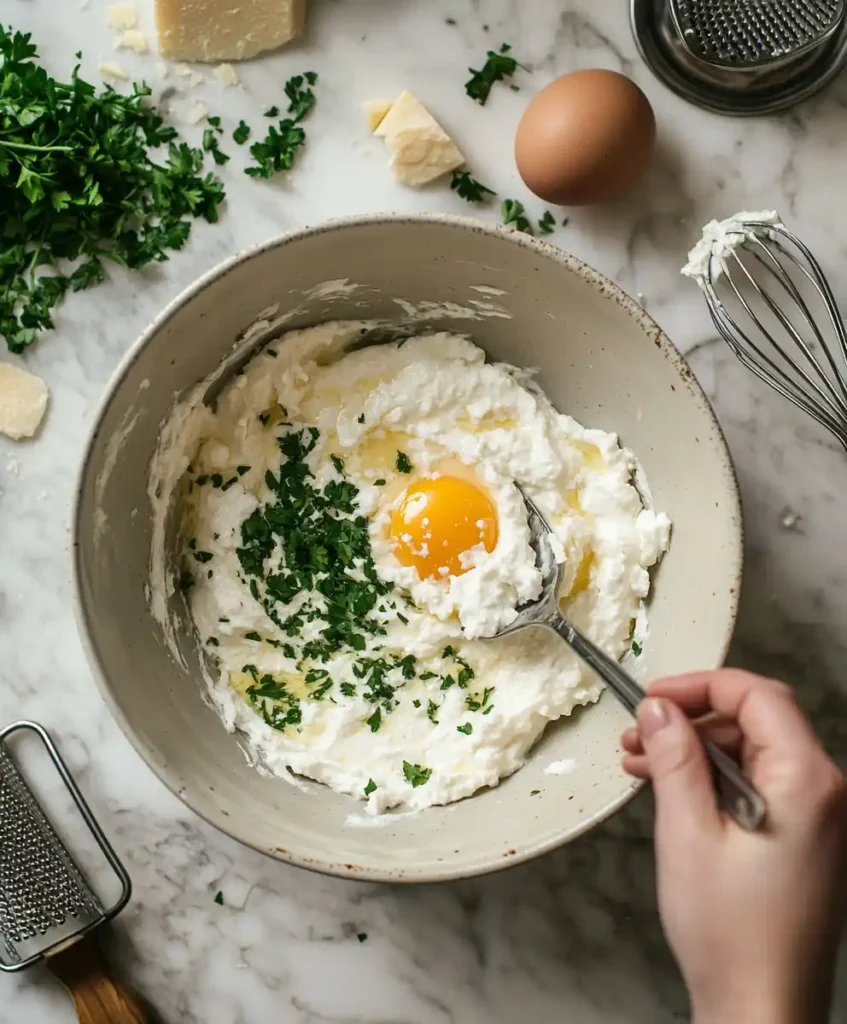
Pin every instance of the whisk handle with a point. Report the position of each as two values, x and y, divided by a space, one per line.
98 997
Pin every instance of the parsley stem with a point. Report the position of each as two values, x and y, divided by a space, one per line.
36 149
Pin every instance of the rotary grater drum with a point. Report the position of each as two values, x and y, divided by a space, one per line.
751 34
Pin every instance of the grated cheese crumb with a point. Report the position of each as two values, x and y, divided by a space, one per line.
227 75
197 113
123 16
111 69
133 40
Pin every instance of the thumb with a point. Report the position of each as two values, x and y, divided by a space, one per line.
682 780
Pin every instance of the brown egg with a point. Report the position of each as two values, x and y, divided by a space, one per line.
586 137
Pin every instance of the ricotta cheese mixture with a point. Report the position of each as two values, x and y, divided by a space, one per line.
720 238
352 531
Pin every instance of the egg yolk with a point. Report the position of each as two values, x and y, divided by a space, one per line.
437 521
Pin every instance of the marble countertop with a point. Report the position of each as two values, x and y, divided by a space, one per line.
574 936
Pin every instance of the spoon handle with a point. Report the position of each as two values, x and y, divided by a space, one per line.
736 794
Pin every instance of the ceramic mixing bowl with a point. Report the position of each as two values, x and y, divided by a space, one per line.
599 357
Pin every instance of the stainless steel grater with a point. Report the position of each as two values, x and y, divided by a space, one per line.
48 909
751 34
45 901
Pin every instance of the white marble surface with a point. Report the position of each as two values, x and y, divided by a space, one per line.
574 936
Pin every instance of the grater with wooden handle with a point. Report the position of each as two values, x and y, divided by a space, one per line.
48 910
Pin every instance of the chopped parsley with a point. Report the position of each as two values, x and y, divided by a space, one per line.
241 133
219 898
534 792
278 150
468 188
415 774
547 223
514 216
432 710
80 188
305 557
362 936
636 648
467 728
300 97
479 702
185 582
370 788
210 145
277 706
403 463
203 556
241 470
380 482
271 112
499 65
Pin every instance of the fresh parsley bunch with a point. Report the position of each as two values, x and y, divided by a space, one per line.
78 186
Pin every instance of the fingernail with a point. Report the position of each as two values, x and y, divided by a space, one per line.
652 716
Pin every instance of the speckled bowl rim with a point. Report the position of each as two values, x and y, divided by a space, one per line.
520 854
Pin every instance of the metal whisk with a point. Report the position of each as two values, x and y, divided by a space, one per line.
772 304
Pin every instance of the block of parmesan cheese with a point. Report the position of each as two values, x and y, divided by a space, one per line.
23 401
420 149
225 30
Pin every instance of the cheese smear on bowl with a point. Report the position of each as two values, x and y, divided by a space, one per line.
352 531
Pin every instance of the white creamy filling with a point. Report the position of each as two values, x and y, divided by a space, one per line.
719 241
434 399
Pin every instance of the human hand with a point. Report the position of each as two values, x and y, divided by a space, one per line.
753 918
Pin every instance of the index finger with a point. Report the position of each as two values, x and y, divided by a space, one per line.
765 709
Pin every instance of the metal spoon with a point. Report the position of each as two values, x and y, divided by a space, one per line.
736 794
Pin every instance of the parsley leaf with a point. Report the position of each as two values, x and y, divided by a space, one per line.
403 463
467 728
415 774
498 66
375 721
219 898
514 215
370 788
241 133
469 188
547 223
636 648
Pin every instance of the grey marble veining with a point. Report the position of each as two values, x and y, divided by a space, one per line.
574 936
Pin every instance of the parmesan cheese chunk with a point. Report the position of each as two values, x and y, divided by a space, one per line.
23 401
420 149
224 30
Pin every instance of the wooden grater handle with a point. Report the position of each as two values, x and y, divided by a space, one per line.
98 997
